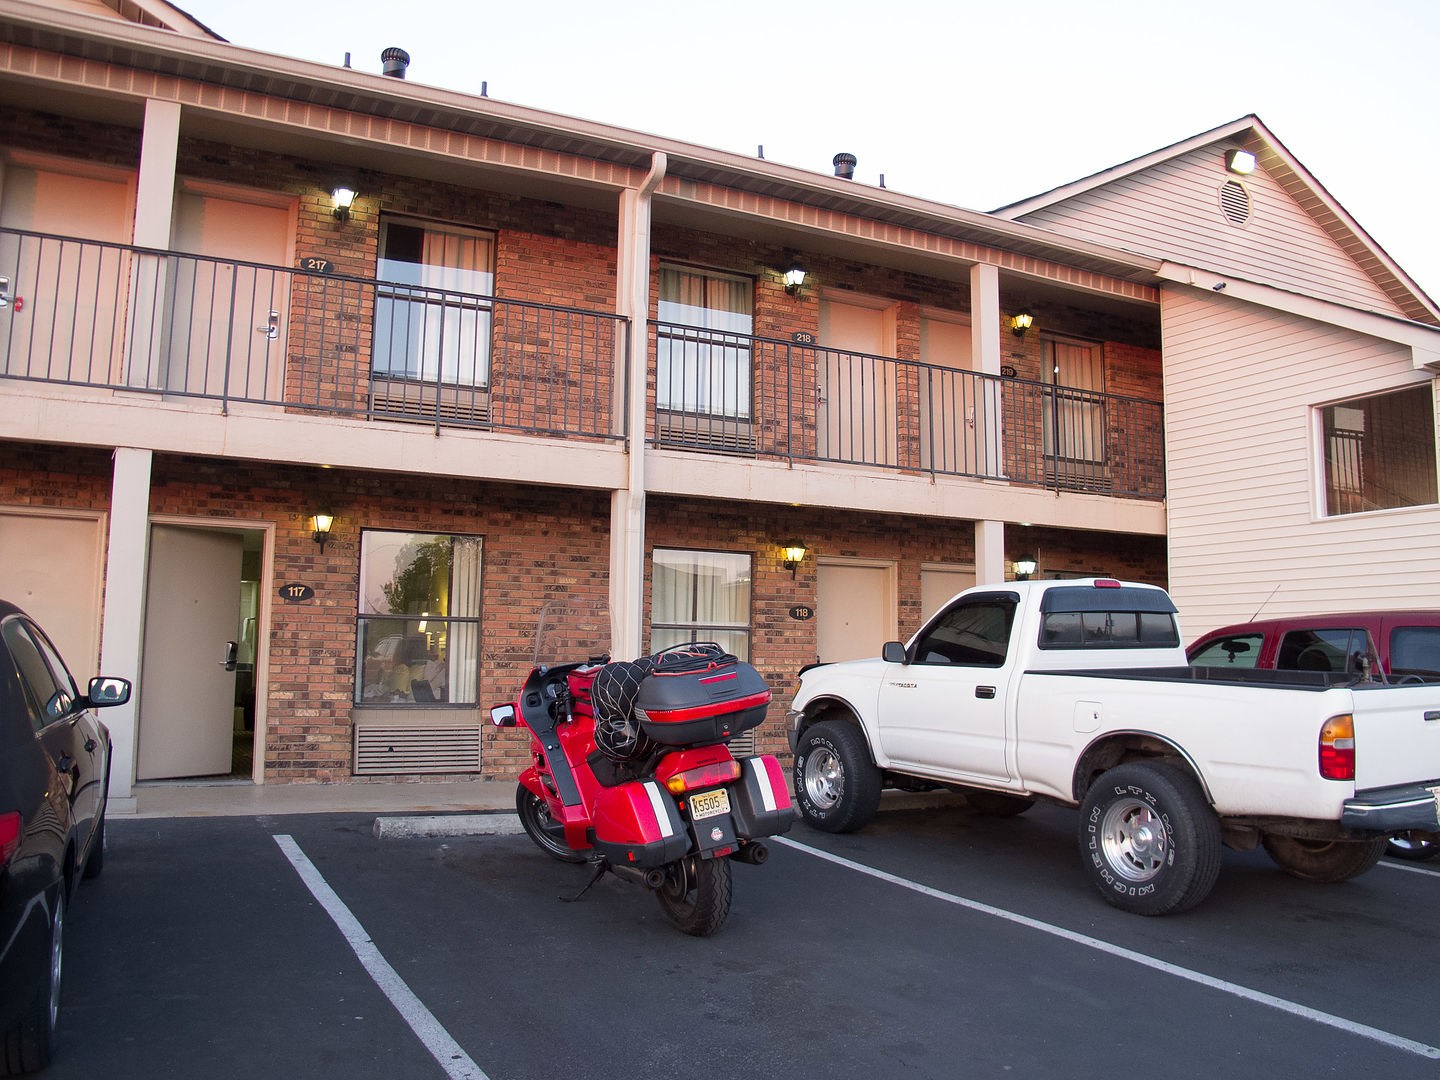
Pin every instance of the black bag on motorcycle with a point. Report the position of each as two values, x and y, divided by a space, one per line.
699 693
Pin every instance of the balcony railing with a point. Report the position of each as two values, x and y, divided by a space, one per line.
187 326
733 393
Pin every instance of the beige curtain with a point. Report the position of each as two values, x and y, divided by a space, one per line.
698 371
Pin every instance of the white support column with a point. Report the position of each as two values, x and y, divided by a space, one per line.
124 620
989 552
986 345
155 190
627 505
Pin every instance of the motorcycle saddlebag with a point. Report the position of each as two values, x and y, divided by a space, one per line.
760 802
638 824
698 693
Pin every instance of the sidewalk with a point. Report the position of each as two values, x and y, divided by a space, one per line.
244 799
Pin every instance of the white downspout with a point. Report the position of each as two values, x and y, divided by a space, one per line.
627 505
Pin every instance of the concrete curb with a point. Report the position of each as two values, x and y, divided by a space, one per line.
502 824
405 828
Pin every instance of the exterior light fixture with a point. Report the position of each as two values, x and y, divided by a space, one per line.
1024 566
343 198
794 278
320 525
794 553
1240 161
1021 322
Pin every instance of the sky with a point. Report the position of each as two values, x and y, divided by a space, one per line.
974 105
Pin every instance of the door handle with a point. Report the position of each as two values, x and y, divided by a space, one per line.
232 655
986 692
271 329
66 763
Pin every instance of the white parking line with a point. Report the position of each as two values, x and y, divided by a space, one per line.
1392 865
1409 1046
437 1040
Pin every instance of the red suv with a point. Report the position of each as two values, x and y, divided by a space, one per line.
1396 644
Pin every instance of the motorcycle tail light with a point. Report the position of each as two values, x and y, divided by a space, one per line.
721 772
1337 748
9 835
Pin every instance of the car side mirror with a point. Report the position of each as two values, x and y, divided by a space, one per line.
503 716
106 691
894 653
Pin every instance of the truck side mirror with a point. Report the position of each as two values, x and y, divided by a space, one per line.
894 653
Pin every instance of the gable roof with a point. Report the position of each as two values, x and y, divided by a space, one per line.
1280 166
160 14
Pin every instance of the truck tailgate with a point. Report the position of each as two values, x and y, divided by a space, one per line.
1397 735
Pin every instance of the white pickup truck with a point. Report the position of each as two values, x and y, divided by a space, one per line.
1078 693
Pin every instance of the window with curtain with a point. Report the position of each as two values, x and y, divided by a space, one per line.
1074 421
700 596
703 343
432 306
1380 452
418 636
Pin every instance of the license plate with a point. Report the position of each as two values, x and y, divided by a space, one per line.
709 804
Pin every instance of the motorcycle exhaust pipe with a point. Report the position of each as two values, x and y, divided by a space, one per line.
754 853
651 879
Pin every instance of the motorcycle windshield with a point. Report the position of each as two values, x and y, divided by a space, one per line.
572 629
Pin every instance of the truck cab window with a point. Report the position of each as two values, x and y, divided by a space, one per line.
974 634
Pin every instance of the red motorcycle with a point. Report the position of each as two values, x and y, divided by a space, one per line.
632 773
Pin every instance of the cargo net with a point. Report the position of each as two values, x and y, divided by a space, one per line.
612 695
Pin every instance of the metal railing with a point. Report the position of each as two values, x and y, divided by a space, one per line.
733 393
168 323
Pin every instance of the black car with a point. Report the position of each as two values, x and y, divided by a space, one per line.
54 779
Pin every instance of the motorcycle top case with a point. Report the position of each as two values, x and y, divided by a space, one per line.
638 824
698 693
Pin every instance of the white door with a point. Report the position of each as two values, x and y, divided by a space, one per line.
855 610
938 584
228 319
855 419
954 431
187 691
65 300
50 567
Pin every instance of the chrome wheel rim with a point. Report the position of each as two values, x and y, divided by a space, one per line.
1134 841
824 778
57 955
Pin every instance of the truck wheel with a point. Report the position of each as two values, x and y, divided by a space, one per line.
1326 861
837 786
996 803
1414 846
1148 840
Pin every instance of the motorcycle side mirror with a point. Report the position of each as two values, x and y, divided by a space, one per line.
503 716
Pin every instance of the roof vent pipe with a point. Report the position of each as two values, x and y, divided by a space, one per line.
395 61
845 166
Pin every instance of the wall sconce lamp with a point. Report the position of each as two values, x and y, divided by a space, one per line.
343 198
794 553
1024 566
1021 322
1240 161
320 525
794 278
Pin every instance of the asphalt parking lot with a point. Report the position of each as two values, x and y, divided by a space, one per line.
932 944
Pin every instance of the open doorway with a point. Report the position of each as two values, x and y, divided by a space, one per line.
201 651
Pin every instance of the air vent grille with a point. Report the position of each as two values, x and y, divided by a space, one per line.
403 750
1235 202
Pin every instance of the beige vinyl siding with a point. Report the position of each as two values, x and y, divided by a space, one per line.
1244 471
1172 211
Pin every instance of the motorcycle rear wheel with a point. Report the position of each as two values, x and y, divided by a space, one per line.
696 894
548 834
